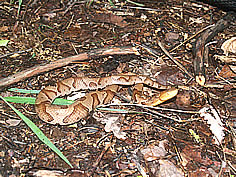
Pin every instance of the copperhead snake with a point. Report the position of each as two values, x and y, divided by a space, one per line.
68 114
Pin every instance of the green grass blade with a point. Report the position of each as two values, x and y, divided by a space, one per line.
19 4
23 90
111 3
31 100
17 99
39 133
88 3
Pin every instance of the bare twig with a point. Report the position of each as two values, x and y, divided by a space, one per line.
17 52
172 58
155 108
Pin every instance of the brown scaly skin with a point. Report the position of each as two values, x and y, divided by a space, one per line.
68 114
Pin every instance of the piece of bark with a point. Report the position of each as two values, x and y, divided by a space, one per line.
200 52
226 5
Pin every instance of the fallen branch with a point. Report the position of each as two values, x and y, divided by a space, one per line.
65 61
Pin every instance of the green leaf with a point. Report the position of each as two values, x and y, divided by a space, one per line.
39 133
4 42
195 135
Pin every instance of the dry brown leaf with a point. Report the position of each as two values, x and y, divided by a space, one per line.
227 72
111 18
167 168
153 152
170 37
183 98
233 68
4 28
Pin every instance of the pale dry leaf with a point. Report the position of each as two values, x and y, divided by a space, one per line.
213 119
13 122
47 173
168 169
112 124
229 46
226 59
212 172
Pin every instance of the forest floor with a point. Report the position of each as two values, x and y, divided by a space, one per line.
191 134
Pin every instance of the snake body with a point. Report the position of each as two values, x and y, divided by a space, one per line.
68 114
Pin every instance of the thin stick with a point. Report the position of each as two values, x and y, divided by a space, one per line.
193 36
172 58
151 107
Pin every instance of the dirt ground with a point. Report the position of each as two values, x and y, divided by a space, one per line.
192 134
